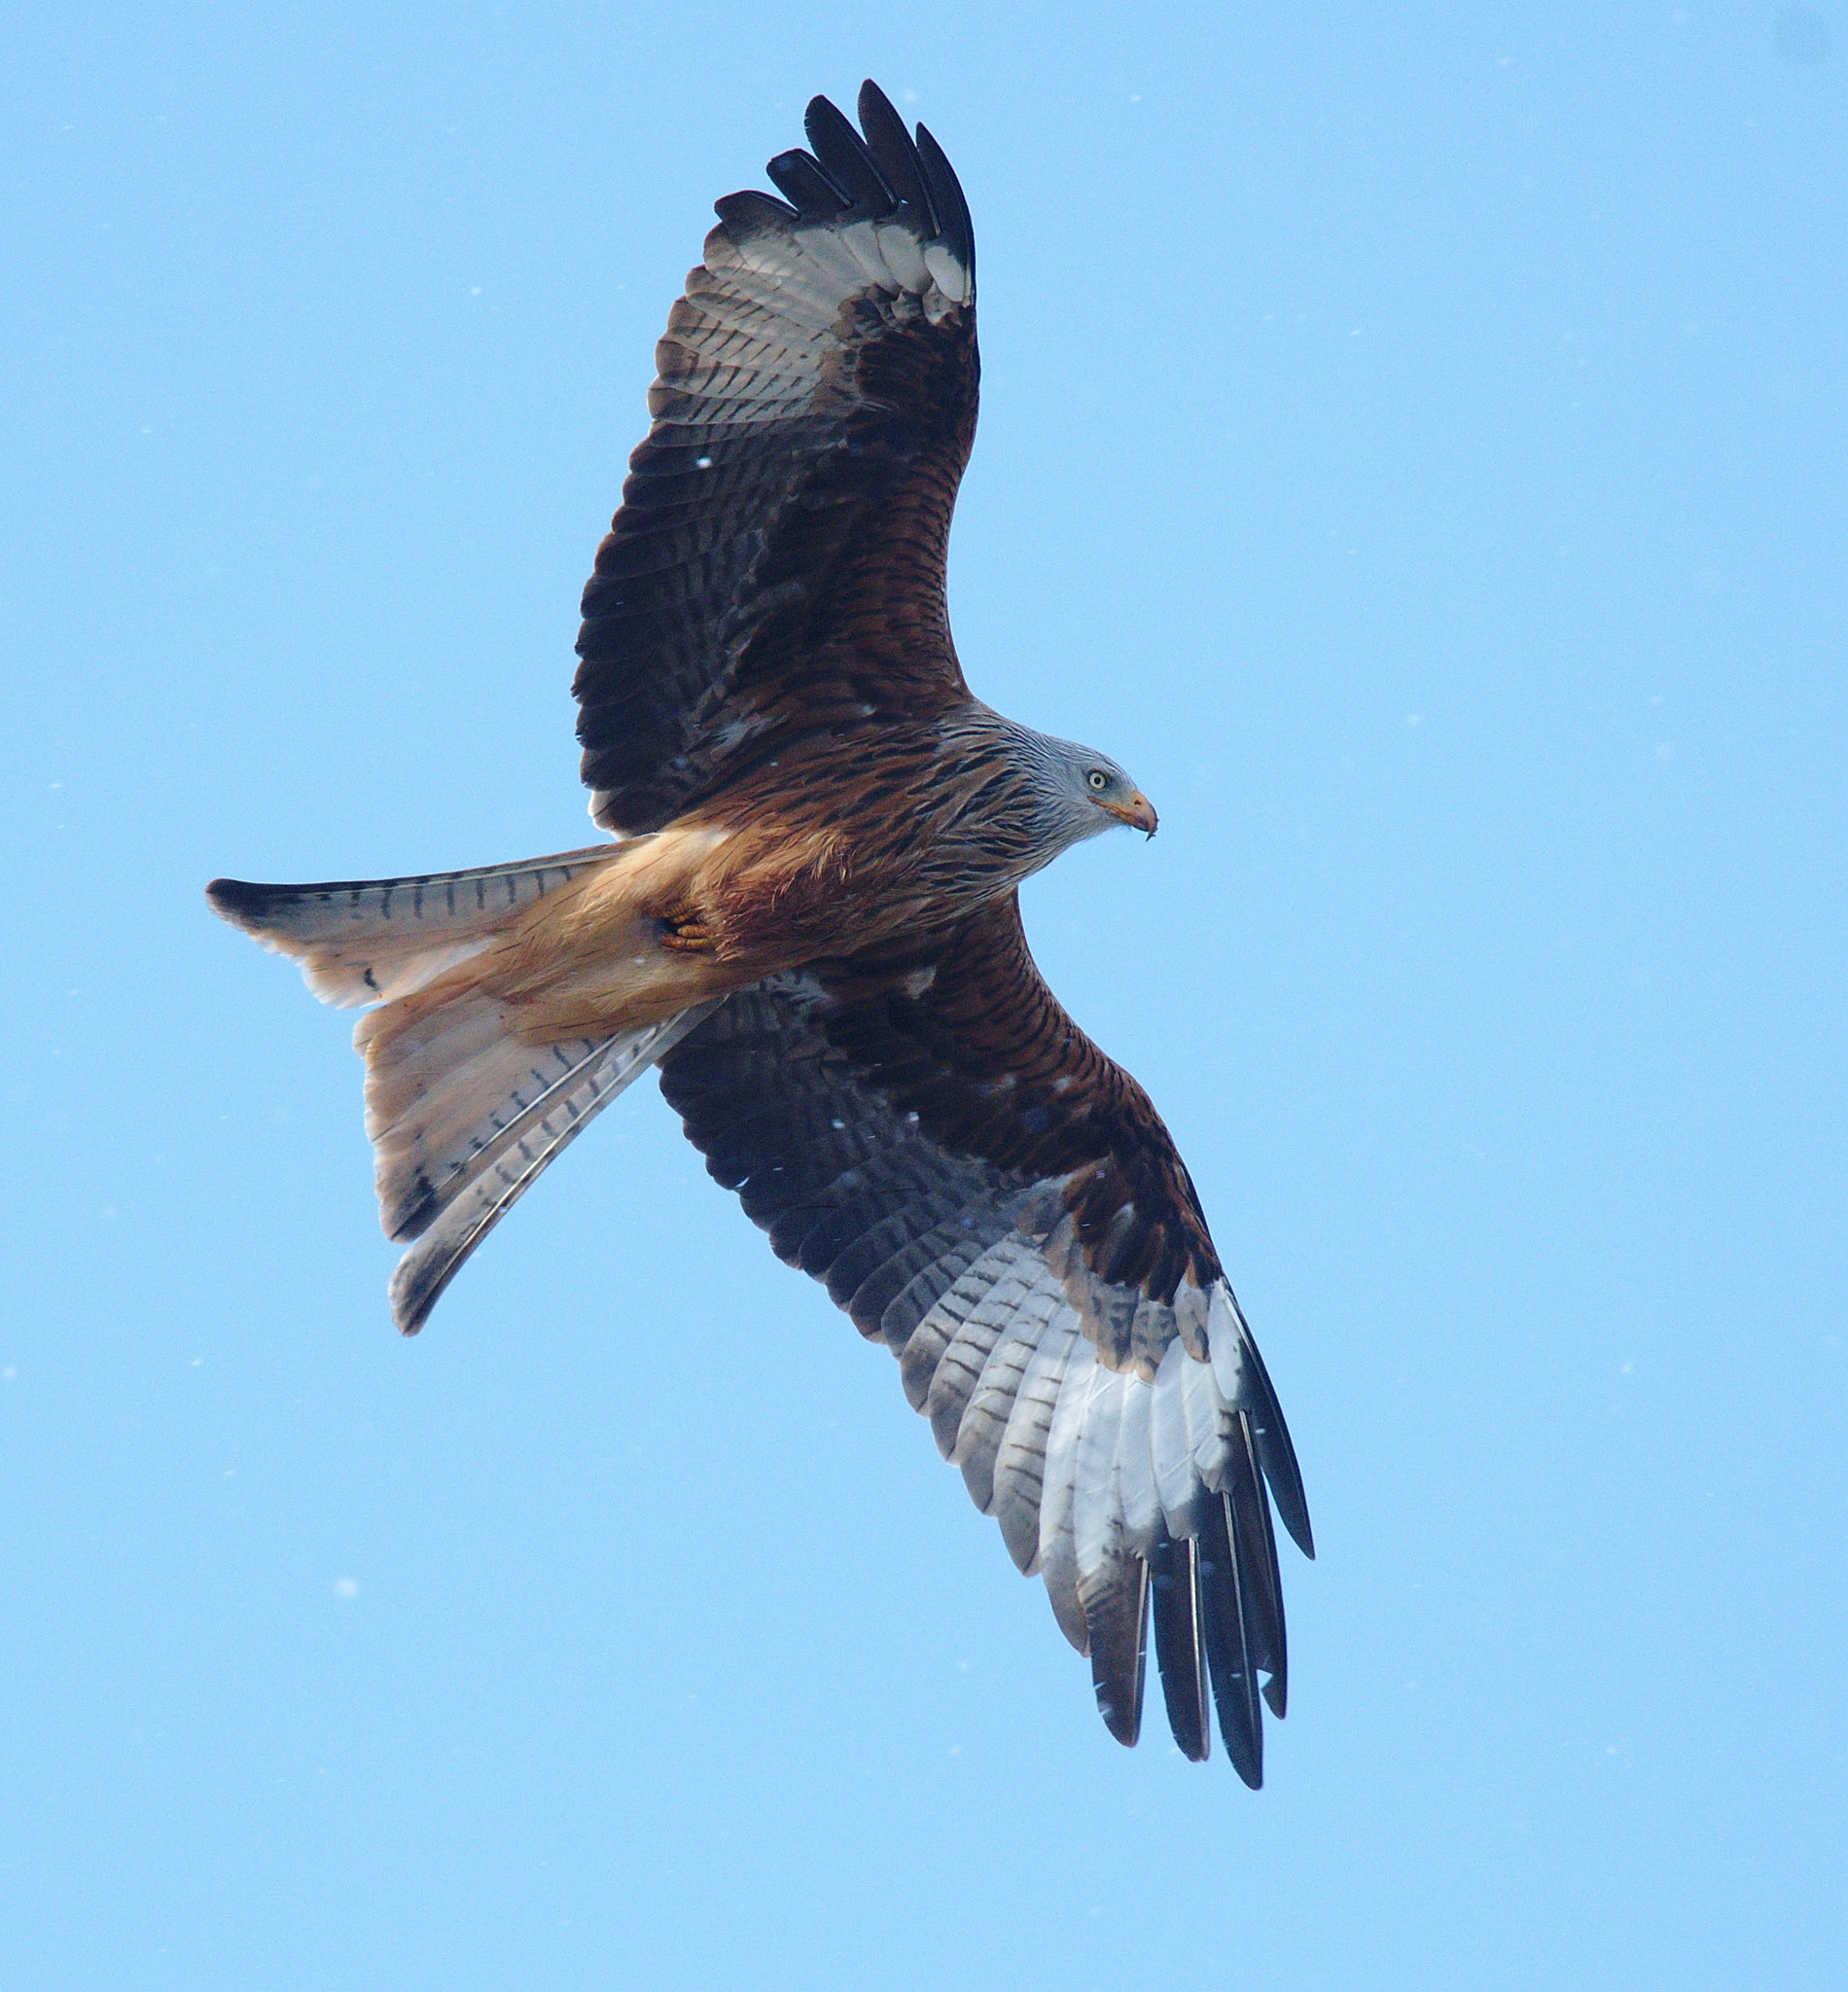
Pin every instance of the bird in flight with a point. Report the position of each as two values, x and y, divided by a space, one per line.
808 921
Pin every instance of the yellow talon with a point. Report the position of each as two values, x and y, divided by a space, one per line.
689 934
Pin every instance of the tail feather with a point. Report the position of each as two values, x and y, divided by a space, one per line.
460 1212
376 940
399 1065
448 1090
463 1112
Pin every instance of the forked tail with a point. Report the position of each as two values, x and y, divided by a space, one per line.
369 940
463 1115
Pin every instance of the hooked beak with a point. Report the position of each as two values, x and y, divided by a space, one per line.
1138 813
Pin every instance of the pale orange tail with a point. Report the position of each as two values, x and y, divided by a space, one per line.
366 941
462 1115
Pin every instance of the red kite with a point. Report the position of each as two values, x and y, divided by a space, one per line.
808 921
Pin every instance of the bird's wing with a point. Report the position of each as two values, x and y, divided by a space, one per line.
984 1189
777 565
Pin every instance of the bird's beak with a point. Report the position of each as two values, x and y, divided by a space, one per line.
1138 813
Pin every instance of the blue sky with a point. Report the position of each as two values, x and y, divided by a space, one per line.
1414 447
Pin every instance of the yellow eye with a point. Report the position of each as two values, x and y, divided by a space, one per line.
1098 779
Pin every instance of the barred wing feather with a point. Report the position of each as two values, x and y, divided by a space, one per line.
777 564
982 1189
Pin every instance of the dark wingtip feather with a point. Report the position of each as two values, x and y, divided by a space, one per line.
846 157
895 154
804 181
946 197
1230 1658
1261 1579
752 209
885 171
1278 1456
1174 1594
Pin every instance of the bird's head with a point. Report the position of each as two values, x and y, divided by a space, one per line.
1087 791
1112 791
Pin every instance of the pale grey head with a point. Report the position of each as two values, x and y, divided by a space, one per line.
1011 799
1078 792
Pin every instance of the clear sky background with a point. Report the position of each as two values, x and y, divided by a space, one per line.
1413 444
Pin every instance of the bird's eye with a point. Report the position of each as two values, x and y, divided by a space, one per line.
1098 779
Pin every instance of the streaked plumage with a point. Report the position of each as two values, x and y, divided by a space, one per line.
809 925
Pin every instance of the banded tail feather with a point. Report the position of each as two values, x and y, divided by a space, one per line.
373 939
462 1110
453 1199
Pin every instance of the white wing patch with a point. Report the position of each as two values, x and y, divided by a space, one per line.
760 333
1083 1467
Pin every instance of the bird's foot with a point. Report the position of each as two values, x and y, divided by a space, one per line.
687 935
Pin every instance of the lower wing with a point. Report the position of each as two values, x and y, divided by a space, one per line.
982 1188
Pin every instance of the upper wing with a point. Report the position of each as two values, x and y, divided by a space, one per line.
979 1186
777 564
